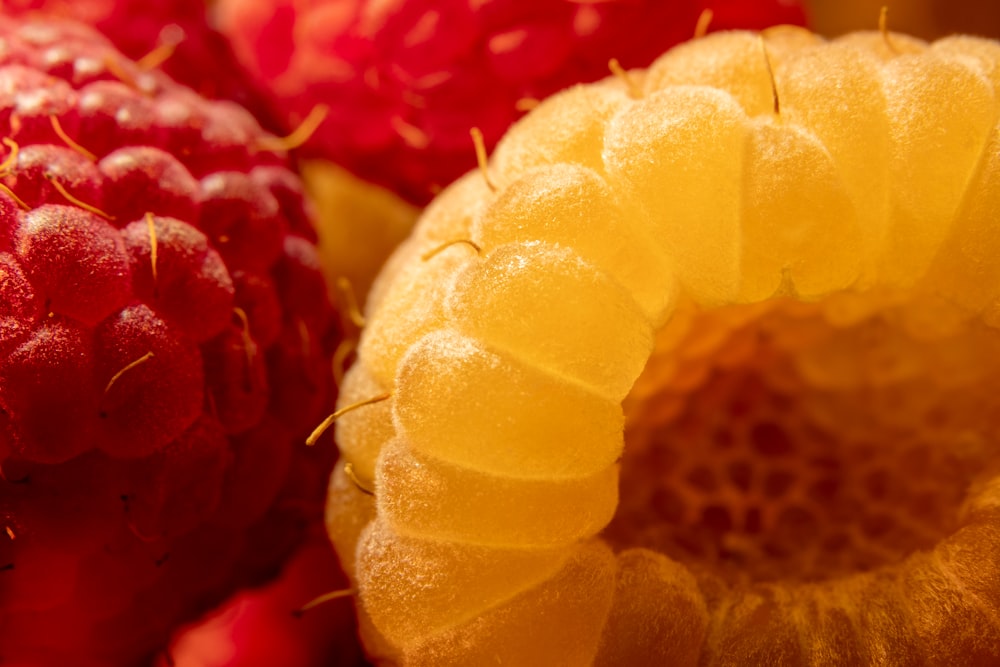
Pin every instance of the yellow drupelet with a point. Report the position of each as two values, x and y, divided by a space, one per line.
791 244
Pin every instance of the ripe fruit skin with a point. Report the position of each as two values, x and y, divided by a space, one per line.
165 346
405 81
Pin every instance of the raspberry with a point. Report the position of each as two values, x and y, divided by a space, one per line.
165 347
703 367
255 627
405 81
174 34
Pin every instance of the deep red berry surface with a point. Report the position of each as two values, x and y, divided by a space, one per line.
165 346
175 32
406 80
256 628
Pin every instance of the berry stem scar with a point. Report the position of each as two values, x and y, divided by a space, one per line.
114 378
447 244
321 429
299 135
481 159
68 140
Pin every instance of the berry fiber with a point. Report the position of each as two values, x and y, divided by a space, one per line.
165 345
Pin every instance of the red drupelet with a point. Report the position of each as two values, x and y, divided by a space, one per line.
165 346
405 80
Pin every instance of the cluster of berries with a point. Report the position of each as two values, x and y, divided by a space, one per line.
405 80
166 335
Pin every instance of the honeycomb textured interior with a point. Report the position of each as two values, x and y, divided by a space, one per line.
767 444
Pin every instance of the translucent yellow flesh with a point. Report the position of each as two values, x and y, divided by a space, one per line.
837 78
677 154
976 52
485 410
348 511
733 62
558 622
413 587
658 616
417 495
555 312
413 305
565 128
801 235
573 206
361 433
965 269
448 217
452 213
941 113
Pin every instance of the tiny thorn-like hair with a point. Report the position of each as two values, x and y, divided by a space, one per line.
328 422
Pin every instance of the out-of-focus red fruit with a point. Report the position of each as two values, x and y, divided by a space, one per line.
258 629
165 347
173 34
406 80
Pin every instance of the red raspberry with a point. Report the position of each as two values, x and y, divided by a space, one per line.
196 53
165 346
406 80
256 628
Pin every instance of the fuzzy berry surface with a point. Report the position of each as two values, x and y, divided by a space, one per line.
175 33
165 346
405 80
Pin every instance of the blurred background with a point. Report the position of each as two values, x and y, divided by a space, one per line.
928 19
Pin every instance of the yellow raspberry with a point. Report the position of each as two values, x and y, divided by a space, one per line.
756 285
